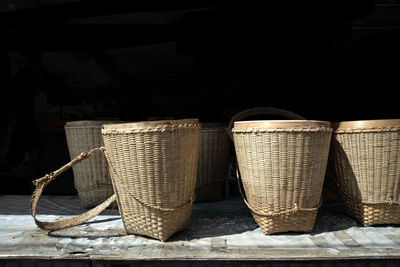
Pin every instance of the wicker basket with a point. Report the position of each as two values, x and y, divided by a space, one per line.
91 177
365 156
153 168
213 162
282 166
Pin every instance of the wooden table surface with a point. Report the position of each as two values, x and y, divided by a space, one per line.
223 230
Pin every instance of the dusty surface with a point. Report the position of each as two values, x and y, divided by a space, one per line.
219 230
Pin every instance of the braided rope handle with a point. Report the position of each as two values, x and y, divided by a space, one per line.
42 182
272 214
261 111
346 195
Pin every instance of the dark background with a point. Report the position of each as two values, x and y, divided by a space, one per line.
73 60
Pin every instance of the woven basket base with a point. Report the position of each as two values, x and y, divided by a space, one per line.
301 221
90 198
210 192
157 224
368 214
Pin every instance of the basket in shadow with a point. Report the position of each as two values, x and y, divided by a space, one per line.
365 158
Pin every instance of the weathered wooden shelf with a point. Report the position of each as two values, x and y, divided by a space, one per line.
222 230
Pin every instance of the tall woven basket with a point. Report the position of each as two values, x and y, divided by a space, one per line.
91 177
282 167
153 168
365 156
213 162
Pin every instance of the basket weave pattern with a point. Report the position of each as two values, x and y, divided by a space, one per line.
283 172
213 164
366 163
154 172
91 177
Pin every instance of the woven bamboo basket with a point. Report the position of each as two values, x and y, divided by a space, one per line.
91 177
365 156
213 162
282 167
153 168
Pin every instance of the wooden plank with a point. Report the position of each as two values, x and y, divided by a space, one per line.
221 230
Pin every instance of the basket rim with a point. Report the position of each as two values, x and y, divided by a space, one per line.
91 123
282 124
366 124
142 125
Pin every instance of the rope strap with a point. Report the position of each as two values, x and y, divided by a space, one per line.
184 205
259 212
349 197
380 202
385 202
42 182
